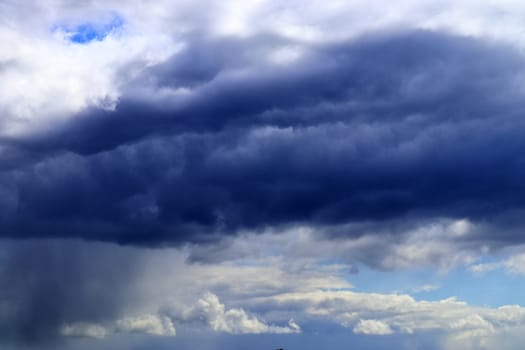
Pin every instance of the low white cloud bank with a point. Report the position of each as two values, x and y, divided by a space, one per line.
147 324
371 314
212 312
207 310
155 325
384 314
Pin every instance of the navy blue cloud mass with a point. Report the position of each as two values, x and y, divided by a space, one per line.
416 124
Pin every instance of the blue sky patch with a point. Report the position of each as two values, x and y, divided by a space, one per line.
87 32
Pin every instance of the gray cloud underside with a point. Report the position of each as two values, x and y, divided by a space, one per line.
411 125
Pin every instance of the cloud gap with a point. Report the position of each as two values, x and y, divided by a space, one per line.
90 31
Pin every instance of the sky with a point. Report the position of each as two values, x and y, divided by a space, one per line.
262 174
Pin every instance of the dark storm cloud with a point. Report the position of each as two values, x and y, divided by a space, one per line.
417 124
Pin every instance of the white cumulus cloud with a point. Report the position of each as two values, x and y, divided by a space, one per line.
372 327
235 320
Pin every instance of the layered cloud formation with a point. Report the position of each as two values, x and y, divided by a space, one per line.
213 141
269 154
164 294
